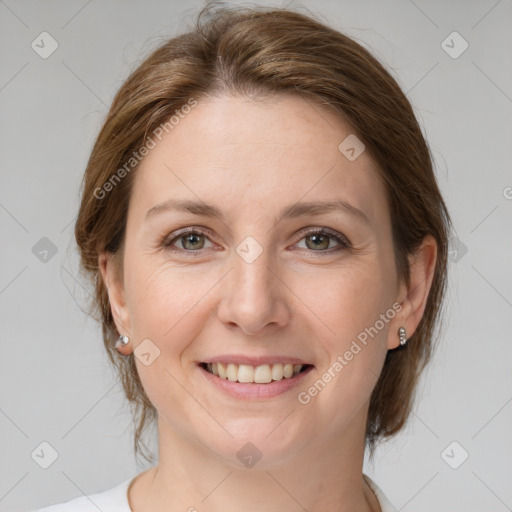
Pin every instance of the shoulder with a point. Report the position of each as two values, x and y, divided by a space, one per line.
385 504
111 500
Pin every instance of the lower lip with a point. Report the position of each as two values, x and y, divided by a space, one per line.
251 390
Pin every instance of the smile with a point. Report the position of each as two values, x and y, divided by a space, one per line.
261 374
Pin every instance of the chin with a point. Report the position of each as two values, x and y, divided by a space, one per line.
262 443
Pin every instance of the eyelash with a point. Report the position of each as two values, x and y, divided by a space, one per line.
342 240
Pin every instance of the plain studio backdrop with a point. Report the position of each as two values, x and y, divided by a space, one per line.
59 396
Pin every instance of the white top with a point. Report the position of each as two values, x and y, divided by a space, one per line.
116 500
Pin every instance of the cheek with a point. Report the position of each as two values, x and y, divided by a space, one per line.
352 299
165 303
357 307
166 308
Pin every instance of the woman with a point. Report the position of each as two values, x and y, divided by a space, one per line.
268 241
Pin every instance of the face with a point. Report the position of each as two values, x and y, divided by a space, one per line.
263 280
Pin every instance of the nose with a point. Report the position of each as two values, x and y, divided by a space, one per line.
254 297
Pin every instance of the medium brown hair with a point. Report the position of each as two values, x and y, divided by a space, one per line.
256 52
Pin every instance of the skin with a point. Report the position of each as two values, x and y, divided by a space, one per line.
252 158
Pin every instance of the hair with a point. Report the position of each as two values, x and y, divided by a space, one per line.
259 52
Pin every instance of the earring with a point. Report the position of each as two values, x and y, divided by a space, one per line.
401 335
122 341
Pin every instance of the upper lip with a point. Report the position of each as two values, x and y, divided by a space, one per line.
253 360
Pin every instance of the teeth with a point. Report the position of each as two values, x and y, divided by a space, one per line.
245 373
277 372
221 371
262 374
232 372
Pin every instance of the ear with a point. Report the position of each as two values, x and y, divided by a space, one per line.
413 298
114 283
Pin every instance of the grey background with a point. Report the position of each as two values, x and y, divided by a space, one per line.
56 385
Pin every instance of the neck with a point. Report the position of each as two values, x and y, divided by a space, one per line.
323 475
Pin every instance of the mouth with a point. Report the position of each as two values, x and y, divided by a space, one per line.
260 374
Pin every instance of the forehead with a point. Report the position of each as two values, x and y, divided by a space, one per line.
234 150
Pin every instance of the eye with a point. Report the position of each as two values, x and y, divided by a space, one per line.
191 240
318 240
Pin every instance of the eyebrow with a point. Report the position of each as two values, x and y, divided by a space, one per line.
288 212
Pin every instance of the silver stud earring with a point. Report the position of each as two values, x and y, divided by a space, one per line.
122 341
401 335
